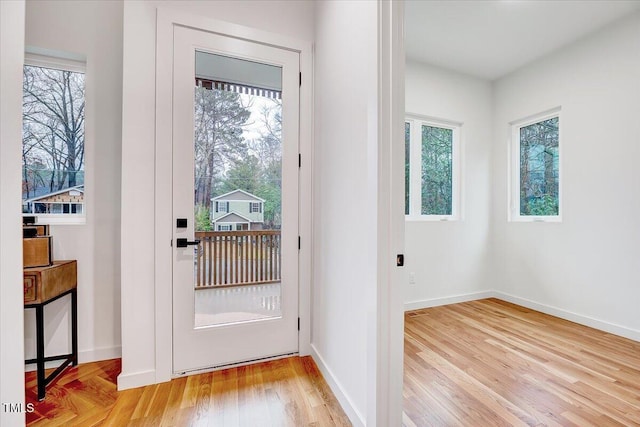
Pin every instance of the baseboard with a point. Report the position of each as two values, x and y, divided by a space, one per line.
354 415
136 379
601 325
435 302
97 354
85 356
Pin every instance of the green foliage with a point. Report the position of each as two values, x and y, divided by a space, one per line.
539 164
244 175
437 170
547 205
203 222
272 195
407 160
258 168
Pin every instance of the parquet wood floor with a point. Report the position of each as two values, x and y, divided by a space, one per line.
492 363
279 393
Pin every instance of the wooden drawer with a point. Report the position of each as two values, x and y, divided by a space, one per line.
43 283
36 252
39 229
30 289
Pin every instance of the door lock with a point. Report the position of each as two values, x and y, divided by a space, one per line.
183 243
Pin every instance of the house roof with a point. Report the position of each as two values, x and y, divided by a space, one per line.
79 188
232 217
237 195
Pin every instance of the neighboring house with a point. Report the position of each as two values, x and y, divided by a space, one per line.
237 210
67 201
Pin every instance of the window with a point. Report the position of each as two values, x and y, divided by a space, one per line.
53 139
535 164
224 227
407 166
255 207
222 206
432 169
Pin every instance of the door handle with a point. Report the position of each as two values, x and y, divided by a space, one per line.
183 243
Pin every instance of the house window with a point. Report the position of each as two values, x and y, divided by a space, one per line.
407 167
222 206
535 165
53 139
255 207
432 169
224 227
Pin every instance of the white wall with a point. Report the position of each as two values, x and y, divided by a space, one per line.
11 291
345 190
585 268
92 29
451 259
293 19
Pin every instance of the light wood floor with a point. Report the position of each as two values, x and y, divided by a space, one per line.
482 363
286 392
491 363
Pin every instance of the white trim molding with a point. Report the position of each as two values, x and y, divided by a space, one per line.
454 299
601 325
356 418
384 399
137 379
167 19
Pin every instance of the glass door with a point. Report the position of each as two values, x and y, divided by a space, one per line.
235 187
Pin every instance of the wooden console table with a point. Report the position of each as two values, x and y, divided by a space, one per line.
43 285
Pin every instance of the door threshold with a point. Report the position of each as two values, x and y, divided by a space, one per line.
230 365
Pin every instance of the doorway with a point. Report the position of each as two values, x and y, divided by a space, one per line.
235 200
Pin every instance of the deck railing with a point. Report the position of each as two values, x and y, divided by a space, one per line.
232 258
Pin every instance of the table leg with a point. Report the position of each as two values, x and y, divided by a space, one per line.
40 351
74 327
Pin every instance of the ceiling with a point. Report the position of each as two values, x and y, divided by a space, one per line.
489 39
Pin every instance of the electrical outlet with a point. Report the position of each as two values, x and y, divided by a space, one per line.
412 278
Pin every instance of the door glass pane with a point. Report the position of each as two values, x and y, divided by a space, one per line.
238 190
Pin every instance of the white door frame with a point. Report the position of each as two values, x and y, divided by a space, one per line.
201 348
391 279
165 21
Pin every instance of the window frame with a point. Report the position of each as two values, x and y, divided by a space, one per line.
513 208
415 167
256 205
222 203
75 64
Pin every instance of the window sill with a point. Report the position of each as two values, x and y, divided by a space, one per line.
59 219
556 219
431 218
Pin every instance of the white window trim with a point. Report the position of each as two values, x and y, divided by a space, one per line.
514 168
67 62
415 168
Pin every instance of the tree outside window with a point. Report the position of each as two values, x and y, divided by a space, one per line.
539 178
535 178
53 140
432 169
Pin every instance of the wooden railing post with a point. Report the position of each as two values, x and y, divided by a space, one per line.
235 258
